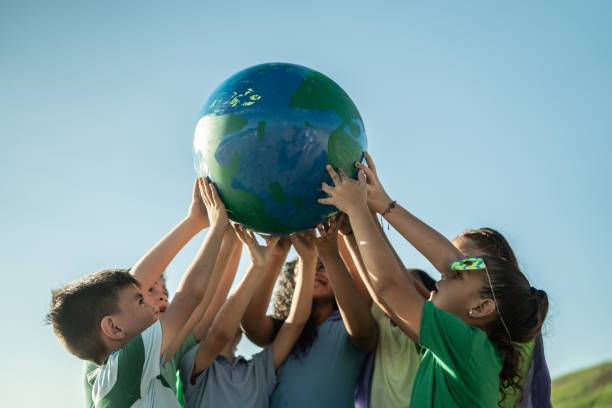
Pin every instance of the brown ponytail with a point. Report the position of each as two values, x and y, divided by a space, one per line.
523 309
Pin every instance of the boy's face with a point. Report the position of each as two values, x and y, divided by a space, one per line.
157 295
134 315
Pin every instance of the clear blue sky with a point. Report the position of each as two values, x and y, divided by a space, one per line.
477 113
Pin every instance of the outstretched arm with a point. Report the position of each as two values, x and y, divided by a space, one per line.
259 327
385 274
354 309
193 285
351 243
350 255
223 328
433 245
153 263
301 304
216 291
227 262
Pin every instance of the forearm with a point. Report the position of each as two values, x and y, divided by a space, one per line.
220 284
301 304
353 307
352 261
429 242
351 244
189 302
153 263
228 318
257 325
197 277
382 270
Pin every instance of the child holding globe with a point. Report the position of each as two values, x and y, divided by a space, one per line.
211 374
468 326
323 367
122 334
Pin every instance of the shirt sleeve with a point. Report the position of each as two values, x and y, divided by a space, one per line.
128 373
448 337
186 346
186 370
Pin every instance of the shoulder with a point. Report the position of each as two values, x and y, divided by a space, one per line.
126 369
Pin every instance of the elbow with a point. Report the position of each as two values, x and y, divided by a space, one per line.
220 336
256 335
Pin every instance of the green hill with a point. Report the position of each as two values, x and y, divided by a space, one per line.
591 387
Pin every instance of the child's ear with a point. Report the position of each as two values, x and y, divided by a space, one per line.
484 309
111 329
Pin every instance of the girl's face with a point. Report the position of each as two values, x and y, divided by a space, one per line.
458 293
157 295
322 288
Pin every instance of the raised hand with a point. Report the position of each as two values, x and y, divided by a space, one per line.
260 254
347 194
378 199
304 244
327 243
282 247
197 214
215 208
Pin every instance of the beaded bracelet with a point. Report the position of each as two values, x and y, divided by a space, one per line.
389 208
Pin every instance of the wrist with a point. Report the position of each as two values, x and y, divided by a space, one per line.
390 206
219 226
308 260
196 224
357 208
380 204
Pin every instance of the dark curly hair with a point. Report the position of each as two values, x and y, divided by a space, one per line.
282 305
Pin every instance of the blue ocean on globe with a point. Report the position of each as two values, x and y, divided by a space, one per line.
264 137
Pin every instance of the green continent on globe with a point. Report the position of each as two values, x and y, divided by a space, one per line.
320 93
243 207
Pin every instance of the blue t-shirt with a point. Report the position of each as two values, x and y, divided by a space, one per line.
324 376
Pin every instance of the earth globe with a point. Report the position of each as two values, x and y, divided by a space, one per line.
264 137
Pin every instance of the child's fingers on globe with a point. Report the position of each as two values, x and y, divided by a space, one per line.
215 193
369 161
274 241
342 174
368 171
203 192
334 176
328 201
361 176
327 188
196 188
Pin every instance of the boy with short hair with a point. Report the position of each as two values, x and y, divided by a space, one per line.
103 318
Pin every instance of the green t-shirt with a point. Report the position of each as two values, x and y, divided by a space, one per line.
460 367
395 364
513 395
123 378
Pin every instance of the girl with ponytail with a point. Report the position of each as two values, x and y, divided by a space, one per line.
531 387
468 326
